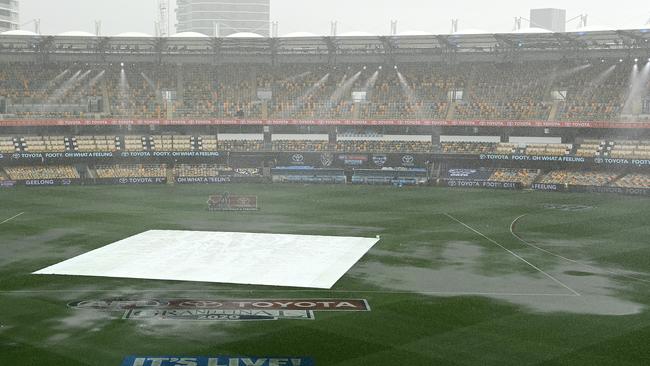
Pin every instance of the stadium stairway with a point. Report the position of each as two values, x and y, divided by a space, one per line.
92 174
170 175
554 109
619 177
451 110
539 177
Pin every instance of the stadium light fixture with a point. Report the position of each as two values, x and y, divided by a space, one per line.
395 67
636 60
381 67
620 60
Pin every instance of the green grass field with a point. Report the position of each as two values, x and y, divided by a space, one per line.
448 284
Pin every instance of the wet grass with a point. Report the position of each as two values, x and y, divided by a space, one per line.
609 324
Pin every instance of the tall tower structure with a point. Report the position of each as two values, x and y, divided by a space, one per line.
162 24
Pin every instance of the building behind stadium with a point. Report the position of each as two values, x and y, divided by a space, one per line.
8 15
223 17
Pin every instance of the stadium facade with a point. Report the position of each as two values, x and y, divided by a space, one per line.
9 16
223 17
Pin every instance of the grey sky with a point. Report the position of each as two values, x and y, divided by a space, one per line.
353 15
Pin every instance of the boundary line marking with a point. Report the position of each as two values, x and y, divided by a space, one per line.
575 293
450 293
512 231
11 218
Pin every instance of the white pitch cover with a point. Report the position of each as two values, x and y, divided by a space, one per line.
221 257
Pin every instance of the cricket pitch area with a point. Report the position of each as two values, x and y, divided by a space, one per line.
222 257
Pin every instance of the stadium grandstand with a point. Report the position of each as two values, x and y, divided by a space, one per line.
529 106
469 198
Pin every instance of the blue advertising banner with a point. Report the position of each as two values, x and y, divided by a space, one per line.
21 156
169 154
204 180
223 179
632 162
553 187
543 158
615 190
7 183
470 174
630 191
481 184
48 182
130 181
617 161
216 361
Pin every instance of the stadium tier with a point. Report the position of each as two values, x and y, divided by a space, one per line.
578 178
41 172
523 176
533 91
633 181
202 170
131 171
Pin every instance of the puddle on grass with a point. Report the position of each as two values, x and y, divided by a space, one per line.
38 246
92 320
464 272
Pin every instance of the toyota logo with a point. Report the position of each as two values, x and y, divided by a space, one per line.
124 181
298 158
408 159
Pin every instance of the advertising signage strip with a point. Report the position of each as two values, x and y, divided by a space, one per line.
569 159
630 191
107 155
458 183
216 361
227 304
216 122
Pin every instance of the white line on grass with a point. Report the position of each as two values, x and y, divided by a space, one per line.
512 231
515 255
449 293
11 218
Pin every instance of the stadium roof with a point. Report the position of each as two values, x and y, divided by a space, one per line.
354 47
357 34
19 33
134 35
414 33
189 35
300 35
245 35
589 28
471 31
76 34
531 30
